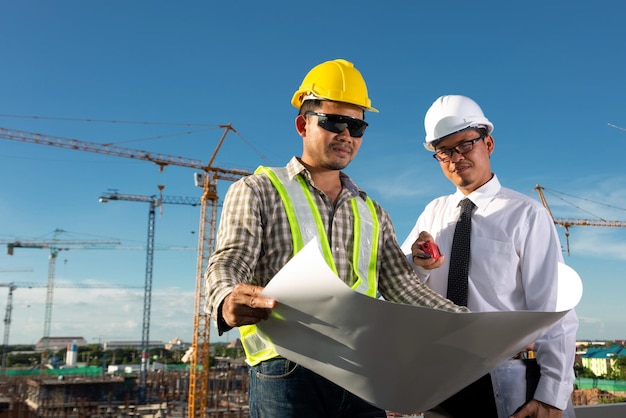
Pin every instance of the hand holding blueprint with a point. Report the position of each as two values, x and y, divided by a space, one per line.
398 357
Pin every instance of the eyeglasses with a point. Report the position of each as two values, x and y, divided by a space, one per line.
464 147
338 123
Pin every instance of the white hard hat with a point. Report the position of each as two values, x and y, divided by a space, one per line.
450 114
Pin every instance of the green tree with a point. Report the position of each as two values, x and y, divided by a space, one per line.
618 372
23 359
581 371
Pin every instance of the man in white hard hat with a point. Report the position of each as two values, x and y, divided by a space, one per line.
514 252
269 216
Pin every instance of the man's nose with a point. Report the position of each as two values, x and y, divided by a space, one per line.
345 135
456 155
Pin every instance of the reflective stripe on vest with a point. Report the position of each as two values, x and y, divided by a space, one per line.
305 223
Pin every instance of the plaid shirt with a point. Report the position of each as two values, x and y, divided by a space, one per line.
254 242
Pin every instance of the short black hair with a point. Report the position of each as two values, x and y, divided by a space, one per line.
313 105
310 106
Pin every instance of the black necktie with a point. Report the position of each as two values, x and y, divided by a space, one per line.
460 255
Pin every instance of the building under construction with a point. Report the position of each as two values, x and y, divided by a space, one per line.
207 176
118 396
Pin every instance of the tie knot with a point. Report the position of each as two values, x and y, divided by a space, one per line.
466 205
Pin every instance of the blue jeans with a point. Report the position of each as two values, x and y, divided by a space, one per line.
280 388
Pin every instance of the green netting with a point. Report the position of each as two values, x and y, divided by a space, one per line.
90 371
608 385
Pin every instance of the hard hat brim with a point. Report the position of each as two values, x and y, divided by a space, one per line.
430 145
300 97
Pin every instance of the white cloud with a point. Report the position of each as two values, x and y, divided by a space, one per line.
99 315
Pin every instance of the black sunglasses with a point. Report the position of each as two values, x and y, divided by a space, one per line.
338 123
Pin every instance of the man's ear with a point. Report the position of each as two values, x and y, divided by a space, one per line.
491 144
301 124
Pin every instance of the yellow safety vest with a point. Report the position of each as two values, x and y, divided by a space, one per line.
306 223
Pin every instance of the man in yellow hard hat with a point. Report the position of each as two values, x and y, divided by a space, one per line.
513 254
269 216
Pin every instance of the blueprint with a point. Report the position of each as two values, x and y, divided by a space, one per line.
401 358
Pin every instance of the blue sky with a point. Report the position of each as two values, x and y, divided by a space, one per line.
549 75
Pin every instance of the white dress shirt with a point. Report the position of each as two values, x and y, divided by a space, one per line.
513 266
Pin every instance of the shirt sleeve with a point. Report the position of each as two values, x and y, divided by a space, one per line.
421 272
238 245
555 350
398 281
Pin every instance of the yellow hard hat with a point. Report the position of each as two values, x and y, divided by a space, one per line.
335 80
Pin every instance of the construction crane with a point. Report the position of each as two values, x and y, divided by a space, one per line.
154 202
567 223
54 245
30 285
207 178
7 317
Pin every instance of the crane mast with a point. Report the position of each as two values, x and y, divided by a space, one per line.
7 326
49 296
9 307
199 363
154 202
55 245
198 376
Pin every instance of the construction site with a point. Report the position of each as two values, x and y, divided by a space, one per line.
166 395
198 391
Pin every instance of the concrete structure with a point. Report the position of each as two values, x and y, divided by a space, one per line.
59 343
135 368
615 410
60 396
134 344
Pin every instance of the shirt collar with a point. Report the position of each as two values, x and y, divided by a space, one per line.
295 167
483 195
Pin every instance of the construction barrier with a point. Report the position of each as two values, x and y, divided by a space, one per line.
594 383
